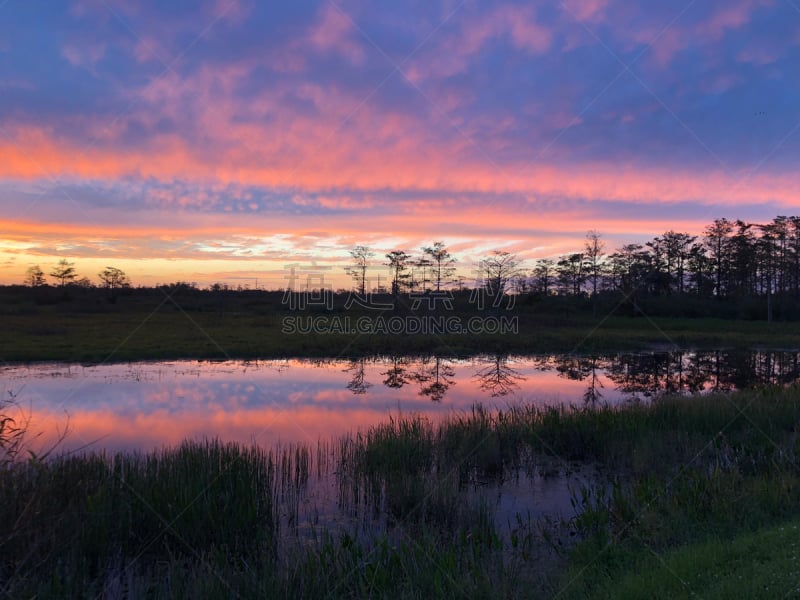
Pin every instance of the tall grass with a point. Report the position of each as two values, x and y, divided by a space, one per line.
641 438
77 517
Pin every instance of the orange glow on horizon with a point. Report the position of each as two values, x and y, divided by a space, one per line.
134 249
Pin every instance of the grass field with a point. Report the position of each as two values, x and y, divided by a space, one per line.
762 564
156 325
696 494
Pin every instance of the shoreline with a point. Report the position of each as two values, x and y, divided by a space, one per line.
644 350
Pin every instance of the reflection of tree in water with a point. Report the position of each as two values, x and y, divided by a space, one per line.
497 377
633 375
592 395
637 374
358 383
435 376
719 369
690 372
396 376
580 368
787 366
763 367
545 362
696 372
658 372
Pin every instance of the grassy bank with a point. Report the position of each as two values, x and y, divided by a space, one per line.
763 564
196 325
684 474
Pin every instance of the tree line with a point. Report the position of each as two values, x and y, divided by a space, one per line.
64 273
431 271
729 259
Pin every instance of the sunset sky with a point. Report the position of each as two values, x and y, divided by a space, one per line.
225 140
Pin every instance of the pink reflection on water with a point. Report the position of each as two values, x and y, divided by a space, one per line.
152 404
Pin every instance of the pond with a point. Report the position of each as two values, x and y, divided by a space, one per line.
146 405
282 403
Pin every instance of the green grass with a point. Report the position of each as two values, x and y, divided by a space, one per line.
191 324
764 564
172 334
697 472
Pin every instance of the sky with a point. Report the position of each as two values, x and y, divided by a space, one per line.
227 140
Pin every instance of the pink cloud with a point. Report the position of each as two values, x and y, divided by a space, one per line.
374 151
334 33
721 83
83 8
670 38
586 10
759 55
668 44
732 15
518 24
85 54
525 32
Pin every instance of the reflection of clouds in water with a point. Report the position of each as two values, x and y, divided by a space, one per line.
150 404
158 427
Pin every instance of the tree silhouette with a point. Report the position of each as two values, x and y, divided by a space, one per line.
64 272
423 263
571 273
358 270
34 277
543 274
442 263
500 269
113 279
716 238
593 251
398 263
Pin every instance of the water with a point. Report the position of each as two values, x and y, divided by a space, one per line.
145 405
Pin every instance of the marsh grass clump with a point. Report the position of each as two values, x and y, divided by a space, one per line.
480 444
390 460
402 444
76 517
402 472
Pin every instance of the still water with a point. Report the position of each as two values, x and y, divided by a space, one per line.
145 405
